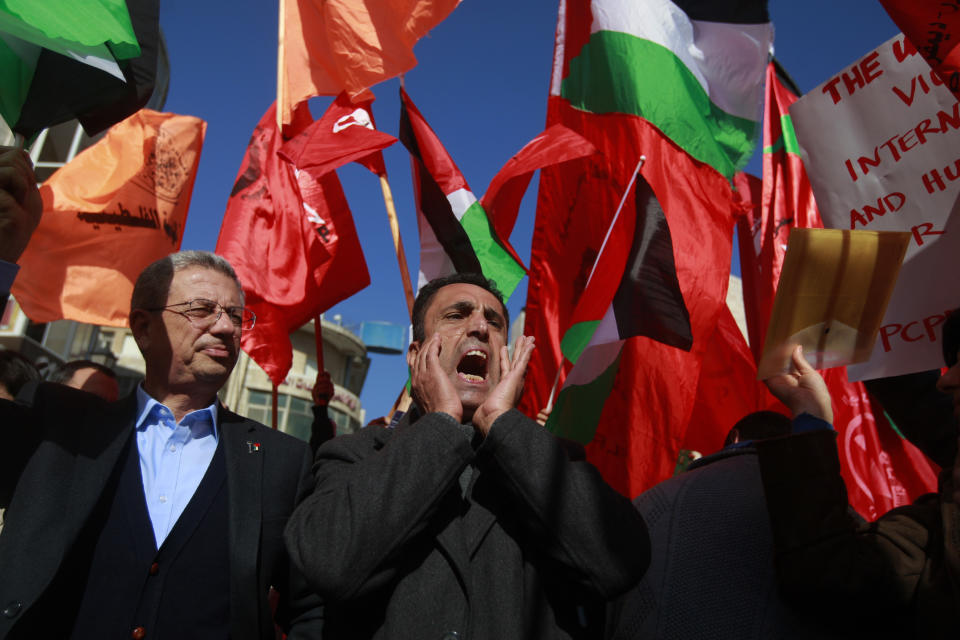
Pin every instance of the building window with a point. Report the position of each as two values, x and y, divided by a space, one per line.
294 415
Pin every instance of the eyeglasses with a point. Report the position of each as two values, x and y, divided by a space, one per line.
205 313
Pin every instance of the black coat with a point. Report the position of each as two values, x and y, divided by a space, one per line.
401 544
56 459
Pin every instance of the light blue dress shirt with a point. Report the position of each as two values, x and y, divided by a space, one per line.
173 458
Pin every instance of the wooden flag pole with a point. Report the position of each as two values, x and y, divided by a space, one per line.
397 242
275 394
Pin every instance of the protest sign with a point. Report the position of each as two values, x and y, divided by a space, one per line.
881 145
832 294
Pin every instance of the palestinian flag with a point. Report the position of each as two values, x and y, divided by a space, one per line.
456 235
632 291
689 67
680 83
60 59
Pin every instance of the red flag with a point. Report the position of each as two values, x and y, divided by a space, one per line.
290 236
933 28
502 200
345 133
329 46
728 388
107 214
881 472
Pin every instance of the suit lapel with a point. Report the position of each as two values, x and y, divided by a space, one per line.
244 460
113 430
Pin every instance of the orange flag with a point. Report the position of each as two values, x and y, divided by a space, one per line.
329 46
107 214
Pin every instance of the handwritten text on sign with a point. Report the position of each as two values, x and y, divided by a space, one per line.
881 145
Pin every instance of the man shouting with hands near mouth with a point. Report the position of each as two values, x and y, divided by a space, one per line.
468 520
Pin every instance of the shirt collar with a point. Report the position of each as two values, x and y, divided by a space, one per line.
147 405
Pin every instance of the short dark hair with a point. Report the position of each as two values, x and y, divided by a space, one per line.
430 289
951 338
16 371
65 372
758 426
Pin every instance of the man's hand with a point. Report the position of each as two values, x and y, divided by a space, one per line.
803 389
20 203
543 415
431 388
322 389
505 395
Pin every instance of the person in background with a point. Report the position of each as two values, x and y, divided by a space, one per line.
896 577
323 428
15 373
711 572
89 376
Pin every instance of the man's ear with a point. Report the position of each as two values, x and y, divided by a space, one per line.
412 352
140 328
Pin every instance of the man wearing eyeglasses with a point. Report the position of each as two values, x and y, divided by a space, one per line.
161 515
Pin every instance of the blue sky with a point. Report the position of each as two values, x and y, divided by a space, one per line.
481 82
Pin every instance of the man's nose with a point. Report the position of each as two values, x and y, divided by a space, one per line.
478 325
223 324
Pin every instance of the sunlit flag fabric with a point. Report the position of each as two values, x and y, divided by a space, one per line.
112 210
934 29
632 291
880 469
61 59
455 234
680 83
557 144
345 133
330 46
290 236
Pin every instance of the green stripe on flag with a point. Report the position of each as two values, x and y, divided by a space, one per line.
576 339
497 264
69 25
620 73
576 413
787 140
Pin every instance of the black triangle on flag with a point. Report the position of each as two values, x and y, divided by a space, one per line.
433 203
63 88
648 301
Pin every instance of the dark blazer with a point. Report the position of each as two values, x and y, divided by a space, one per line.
402 544
56 459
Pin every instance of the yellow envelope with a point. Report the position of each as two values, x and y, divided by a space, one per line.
831 298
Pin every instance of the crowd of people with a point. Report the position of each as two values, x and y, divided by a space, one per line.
162 514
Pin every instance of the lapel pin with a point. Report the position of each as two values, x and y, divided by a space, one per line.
252 447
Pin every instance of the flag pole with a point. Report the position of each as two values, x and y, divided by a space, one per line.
318 338
274 407
397 241
281 52
616 215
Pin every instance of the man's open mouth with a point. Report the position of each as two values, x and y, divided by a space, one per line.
473 366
